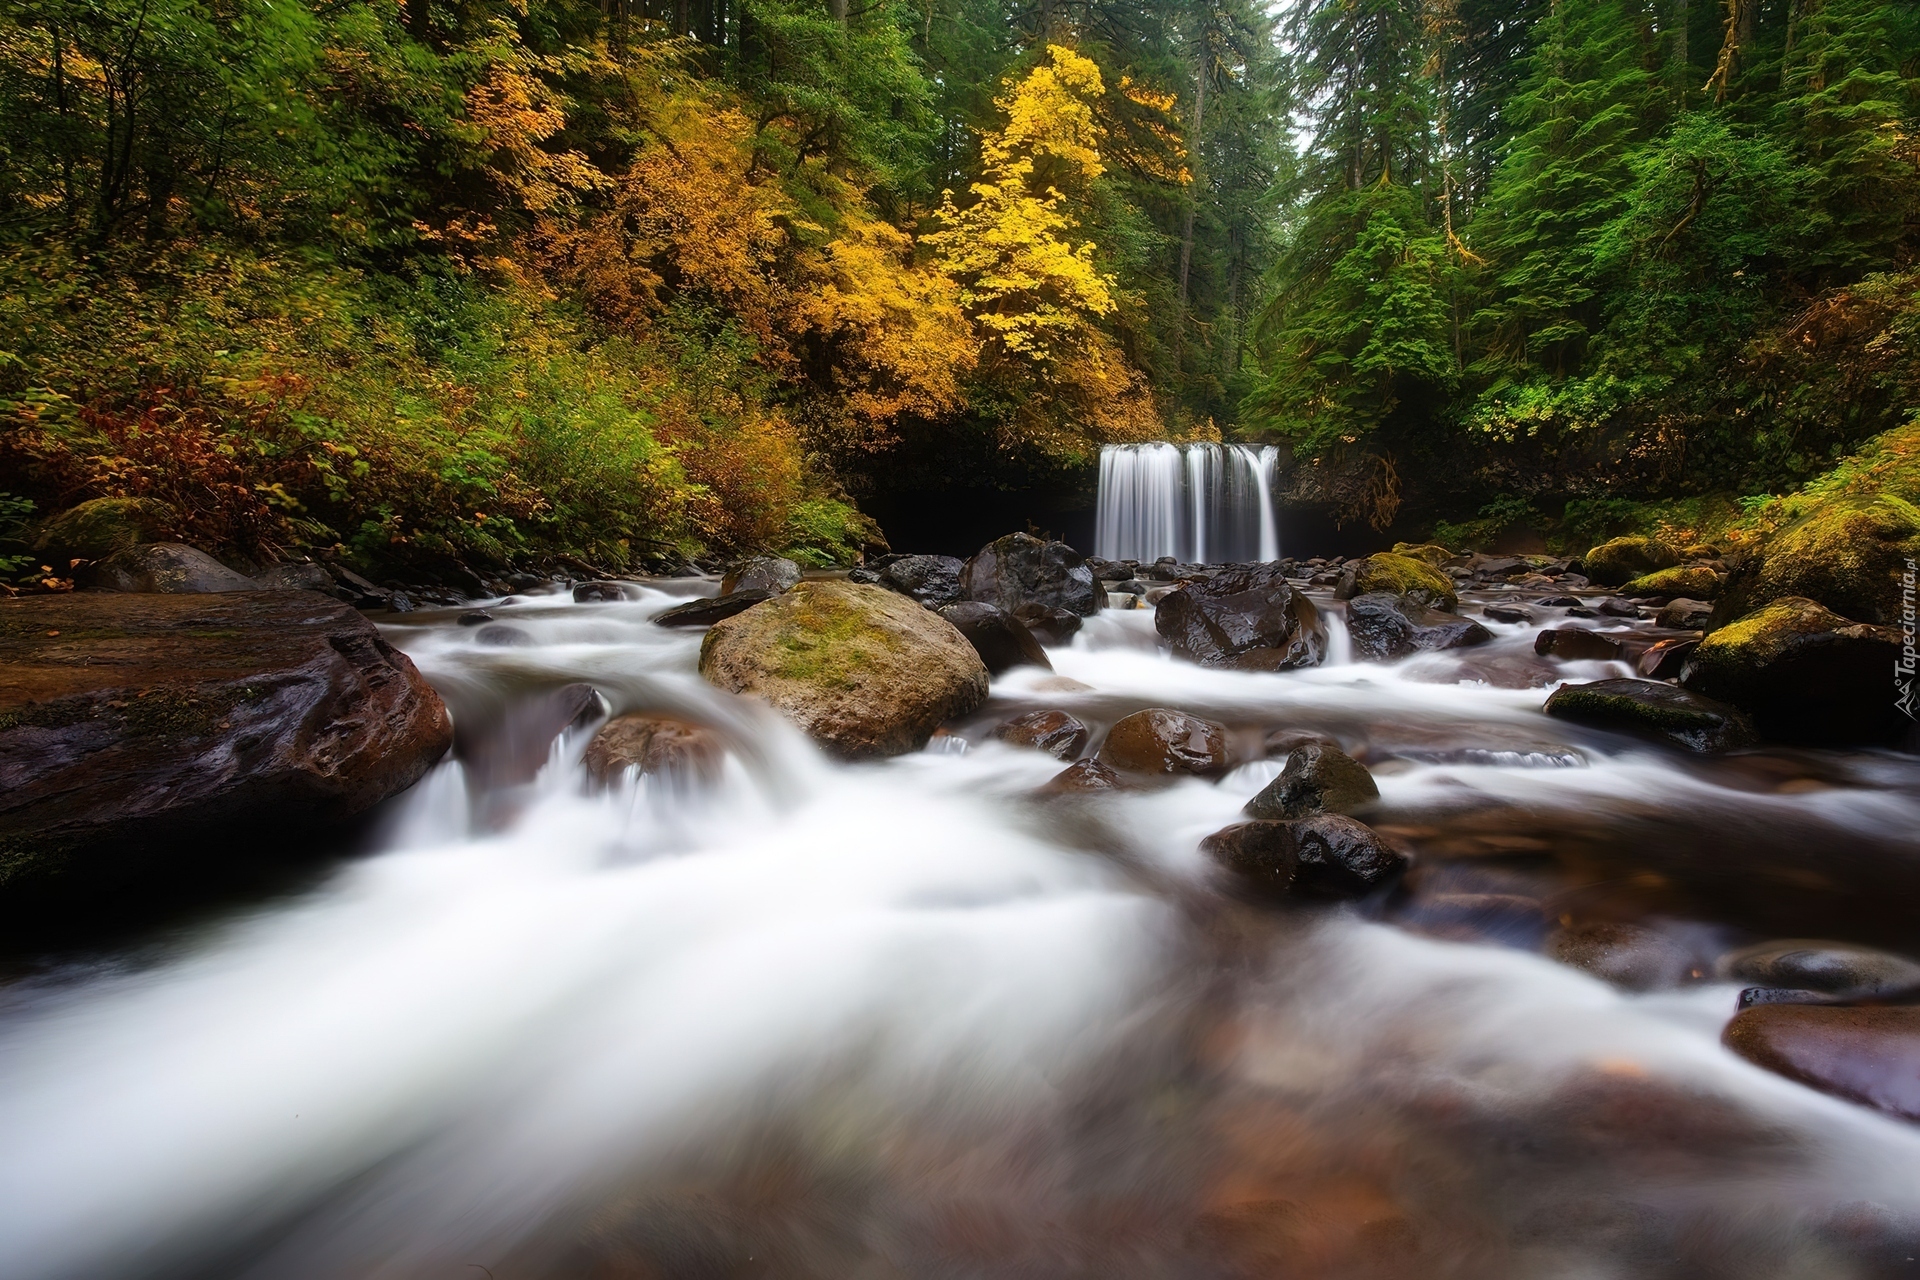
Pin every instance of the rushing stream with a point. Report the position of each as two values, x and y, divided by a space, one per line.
906 1020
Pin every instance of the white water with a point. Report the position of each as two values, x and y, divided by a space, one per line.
523 1017
1199 503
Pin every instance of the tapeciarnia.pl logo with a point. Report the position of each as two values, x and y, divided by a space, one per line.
1903 667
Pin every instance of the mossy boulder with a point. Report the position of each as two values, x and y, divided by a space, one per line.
1692 582
1847 555
1402 576
1425 552
101 528
1804 674
1650 709
864 670
1620 561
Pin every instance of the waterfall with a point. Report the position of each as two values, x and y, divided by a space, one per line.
1199 503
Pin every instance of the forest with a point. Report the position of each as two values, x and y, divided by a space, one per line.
486 283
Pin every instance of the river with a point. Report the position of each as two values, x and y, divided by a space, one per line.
905 1020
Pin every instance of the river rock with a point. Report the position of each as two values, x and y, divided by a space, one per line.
1866 1055
1506 613
1615 563
1572 644
501 635
1384 626
1692 581
1627 955
140 733
1683 614
932 580
1054 732
507 746
1002 640
1317 778
1247 618
864 670
101 528
1083 777
679 753
1021 569
591 592
1159 742
1836 968
301 576
1324 856
1666 659
1847 555
167 568
710 609
1399 576
1048 624
1805 674
1649 709
771 574
1426 553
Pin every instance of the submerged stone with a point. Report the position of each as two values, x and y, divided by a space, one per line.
1651 709
1325 856
1317 778
1160 742
679 753
1865 1055
1054 732
1836 968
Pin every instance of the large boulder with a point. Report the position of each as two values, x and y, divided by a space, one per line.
1325 856
102 528
1694 582
1848 556
166 568
1160 742
932 580
1021 569
864 670
1650 709
1866 1055
1318 778
1384 626
1620 561
138 734
1002 640
1397 575
1247 618
771 574
1805 674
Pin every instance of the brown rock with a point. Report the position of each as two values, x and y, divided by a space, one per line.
1626 955
1054 732
508 746
1571 644
1866 1055
1159 742
1083 776
675 751
1322 856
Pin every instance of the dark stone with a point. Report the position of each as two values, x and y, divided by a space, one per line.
1650 709
932 580
1557 602
1246 618
359 592
1627 955
137 732
1159 742
591 591
1049 625
1685 615
1281 743
474 618
1805 675
1054 732
865 577
1665 660
1866 1055
1002 640
1021 569
1507 613
1317 778
498 635
771 574
1834 968
1385 626
684 756
1572 644
1325 856
1083 776
506 747
710 609
170 568
305 576
1581 611
1615 607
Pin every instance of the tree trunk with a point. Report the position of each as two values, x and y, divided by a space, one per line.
837 10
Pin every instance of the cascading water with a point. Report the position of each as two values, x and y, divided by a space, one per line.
1199 503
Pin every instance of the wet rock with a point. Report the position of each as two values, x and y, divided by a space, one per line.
1384 626
1054 732
1615 607
1021 569
1649 709
1692 581
1425 552
1506 613
296 577
1049 625
932 580
101 529
1558 602
1160 742
1249 619
1615 563
686 756
1495 670
1317 779
1002 640
141 734
863 670
1571 644
1866 1055
1083 777
507 747
1278 744
1683 614
587 592
705 612
866 577
1325 856
1627 955
771 574
1804 674
357 591
1665 660
499 635
474 618
168 568
1847 555
1834 968
1399 576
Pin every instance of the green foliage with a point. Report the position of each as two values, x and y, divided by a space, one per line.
15 513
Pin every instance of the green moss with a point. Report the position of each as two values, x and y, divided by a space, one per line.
825 640
1694 582
1621 560
1758 636
1405 576
97 529
1424 552
1847 555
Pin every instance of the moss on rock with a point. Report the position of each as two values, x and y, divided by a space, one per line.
1694 582
1405 577
1425 552
1804 673
103 527
1847 555
1612 564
